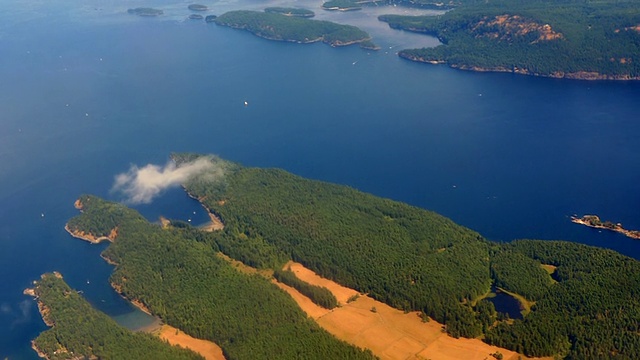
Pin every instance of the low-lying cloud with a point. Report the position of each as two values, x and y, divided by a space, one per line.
142 185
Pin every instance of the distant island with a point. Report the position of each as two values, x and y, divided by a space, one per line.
195 17
578 40
406 257
287 11
210 18
595 222
197 7
275 26
342 5
352 5
145 11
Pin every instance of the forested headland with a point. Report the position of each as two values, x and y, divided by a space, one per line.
415 259
584 301
273 25
78 331
177 275
569 39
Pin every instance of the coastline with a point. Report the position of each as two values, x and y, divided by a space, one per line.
38 351
91 238
579 75
336 43
135 302
593 221
174 336
216 222
44 314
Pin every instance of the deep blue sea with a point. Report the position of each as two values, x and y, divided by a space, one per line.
86 90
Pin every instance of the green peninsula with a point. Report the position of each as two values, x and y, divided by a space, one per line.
177 274
80 332
596 40
583 302
275 26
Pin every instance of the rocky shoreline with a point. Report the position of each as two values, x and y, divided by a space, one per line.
579 75
216 222
595 222
44 313
91 238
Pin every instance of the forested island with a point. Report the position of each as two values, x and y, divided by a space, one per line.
342 5
290 11
145 11
275 26
586 306
198 7
597 40
595 222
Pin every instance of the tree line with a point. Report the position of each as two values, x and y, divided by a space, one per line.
320 296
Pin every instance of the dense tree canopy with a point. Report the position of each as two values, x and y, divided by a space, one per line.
79 331
177 275
414 259
410 258
276 26
407 257
542 37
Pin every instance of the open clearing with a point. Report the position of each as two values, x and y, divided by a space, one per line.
388 332
207 349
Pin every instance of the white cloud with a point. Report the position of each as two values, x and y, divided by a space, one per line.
141 185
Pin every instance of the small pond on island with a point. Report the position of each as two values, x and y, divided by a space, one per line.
505 303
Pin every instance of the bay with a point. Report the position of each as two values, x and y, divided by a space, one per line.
89 90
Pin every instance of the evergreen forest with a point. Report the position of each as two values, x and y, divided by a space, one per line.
176 274
273 25
579 302
575 39
414 259
81 332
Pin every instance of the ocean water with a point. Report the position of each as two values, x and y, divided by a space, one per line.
87 90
